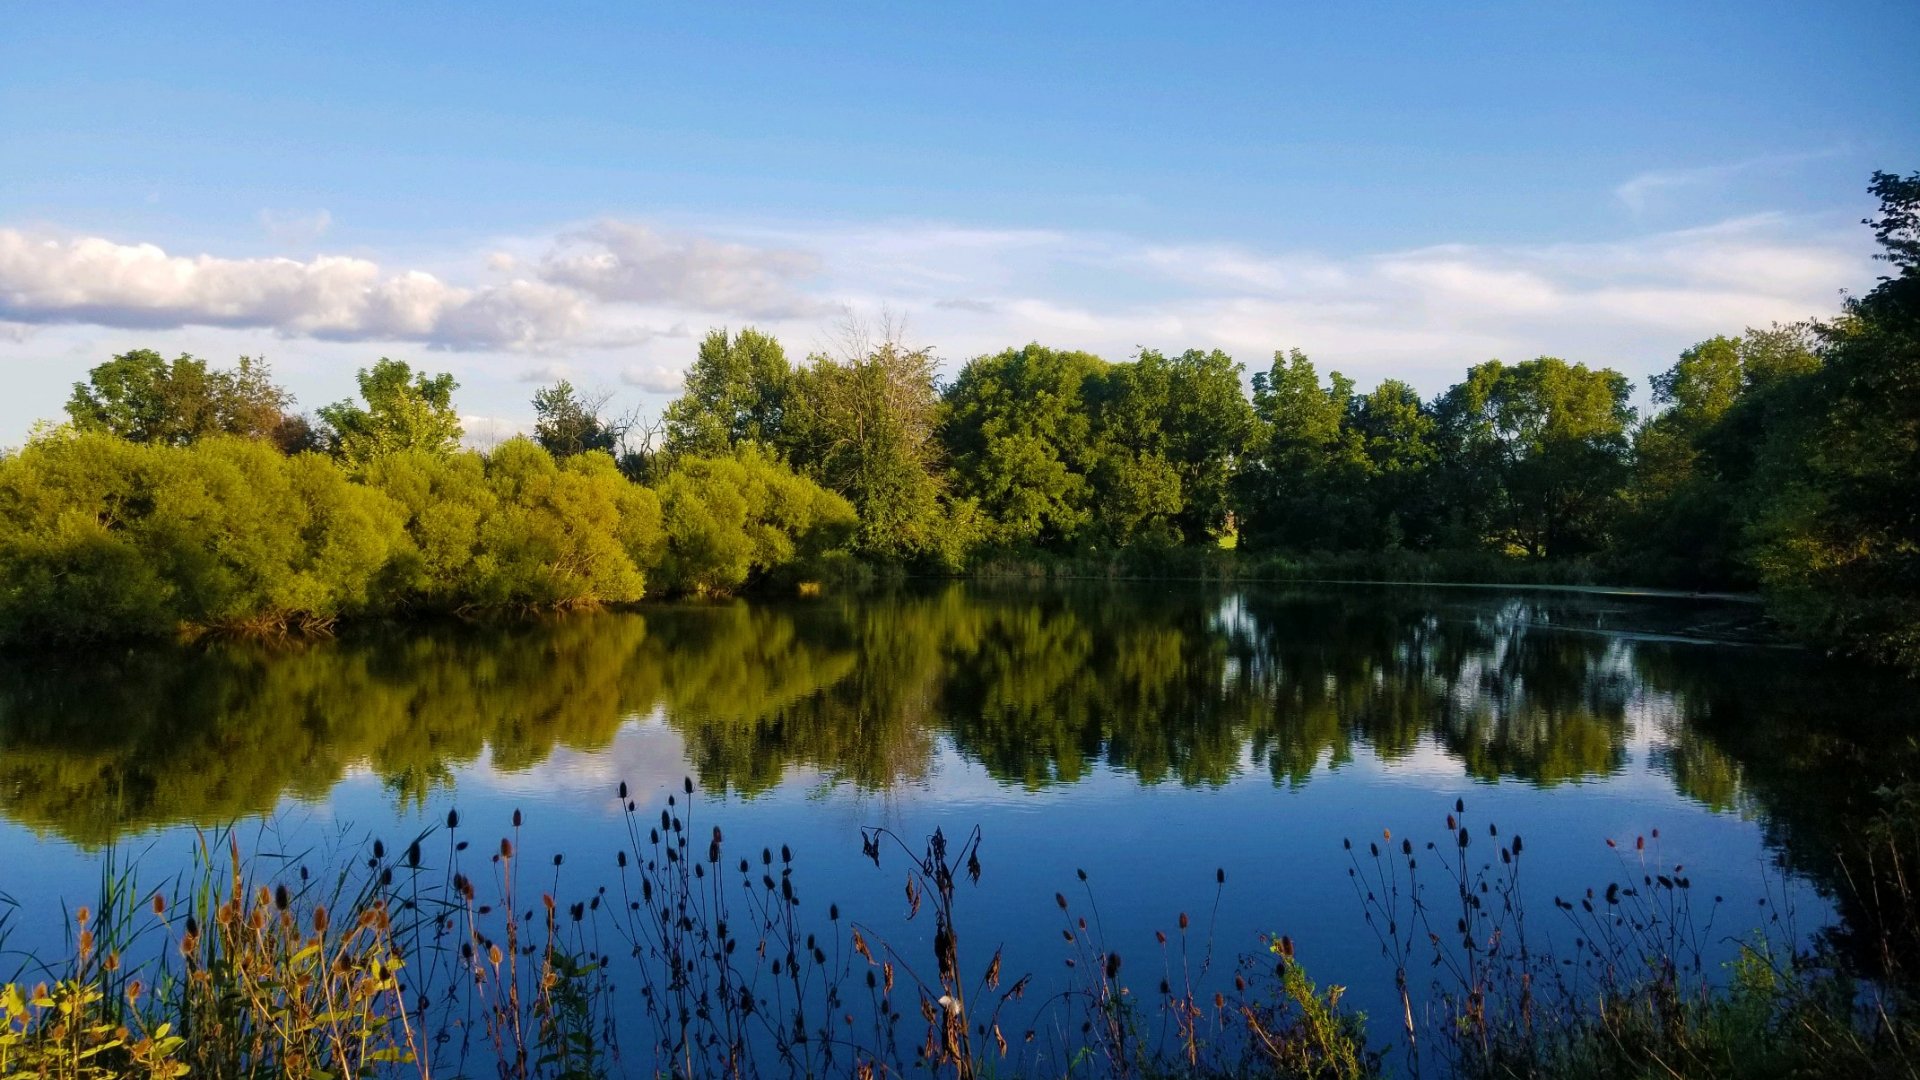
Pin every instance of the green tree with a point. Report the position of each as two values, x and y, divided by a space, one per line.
401 411
736 392
1018 432
143 397
515 529
1541 448
1298 487
865 427
107 538
1693 395
1695 490
728 521
1209 427
553 539
1394 431
1137 491
567 422
444 501
1837 545
1171 434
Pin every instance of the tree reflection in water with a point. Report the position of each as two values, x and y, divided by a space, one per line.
1039 686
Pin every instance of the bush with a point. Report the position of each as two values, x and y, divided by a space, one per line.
728 521
105 538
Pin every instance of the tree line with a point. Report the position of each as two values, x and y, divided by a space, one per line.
1786 459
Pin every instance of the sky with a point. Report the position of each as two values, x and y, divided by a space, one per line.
522 192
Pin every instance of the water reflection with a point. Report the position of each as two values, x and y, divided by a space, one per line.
1039 687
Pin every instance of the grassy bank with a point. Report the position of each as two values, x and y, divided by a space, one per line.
456 953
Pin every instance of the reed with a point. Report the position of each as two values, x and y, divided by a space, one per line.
458 953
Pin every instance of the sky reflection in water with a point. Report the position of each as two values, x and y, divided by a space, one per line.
1149 734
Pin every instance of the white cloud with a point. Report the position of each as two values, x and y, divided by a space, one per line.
1423 314
546 373
626 261
655 378
92 280
977 307
519 314
487 432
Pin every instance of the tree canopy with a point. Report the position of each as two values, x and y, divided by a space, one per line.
736 393
568 422
142 397
398 410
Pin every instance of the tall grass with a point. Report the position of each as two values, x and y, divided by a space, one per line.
457 953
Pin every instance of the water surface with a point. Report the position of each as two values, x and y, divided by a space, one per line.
1150 734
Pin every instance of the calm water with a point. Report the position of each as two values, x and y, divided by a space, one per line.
1149 734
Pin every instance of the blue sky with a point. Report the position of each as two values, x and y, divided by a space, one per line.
518 192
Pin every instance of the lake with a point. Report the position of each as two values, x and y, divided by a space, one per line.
1156 736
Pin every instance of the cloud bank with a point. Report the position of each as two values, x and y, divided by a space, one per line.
89 280
614 300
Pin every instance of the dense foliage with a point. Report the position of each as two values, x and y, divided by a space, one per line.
102 536
1785 459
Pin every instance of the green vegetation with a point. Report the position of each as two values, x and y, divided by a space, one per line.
568 422
103 537
187 499
1783 460
401 411
145 398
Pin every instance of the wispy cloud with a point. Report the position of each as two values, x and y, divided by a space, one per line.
1641 191
658 378
547 373
1426 312
977 307
487 432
